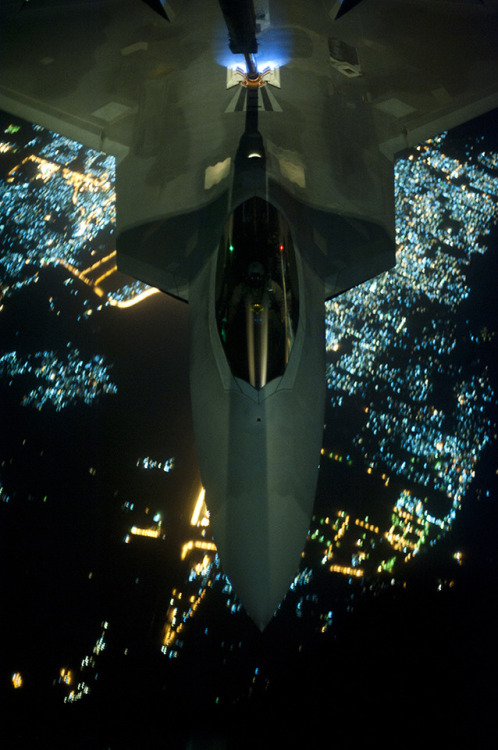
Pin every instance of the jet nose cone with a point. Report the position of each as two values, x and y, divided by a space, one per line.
260 541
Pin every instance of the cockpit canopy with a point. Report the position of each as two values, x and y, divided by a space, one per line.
257 300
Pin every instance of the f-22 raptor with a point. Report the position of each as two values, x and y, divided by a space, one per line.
255 144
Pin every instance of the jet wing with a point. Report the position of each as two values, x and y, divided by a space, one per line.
354 89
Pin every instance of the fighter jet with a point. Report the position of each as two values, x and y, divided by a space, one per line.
255 144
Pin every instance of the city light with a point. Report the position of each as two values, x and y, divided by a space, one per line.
60 380
345 570
153 533
134 300
191 545
17 680
199 507
152 463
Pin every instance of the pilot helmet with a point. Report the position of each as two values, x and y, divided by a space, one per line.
256 273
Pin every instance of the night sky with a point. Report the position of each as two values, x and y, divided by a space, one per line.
408 656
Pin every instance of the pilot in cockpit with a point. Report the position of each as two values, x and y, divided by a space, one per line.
257 289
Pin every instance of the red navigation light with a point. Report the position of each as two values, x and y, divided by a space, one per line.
281 248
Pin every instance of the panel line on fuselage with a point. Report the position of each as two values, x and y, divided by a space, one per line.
266 101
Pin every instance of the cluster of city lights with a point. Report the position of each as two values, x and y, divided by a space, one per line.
77 682
54 204
151 463
392 340
58 209
60 380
